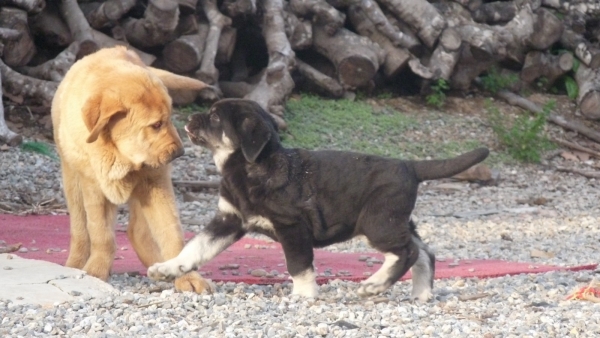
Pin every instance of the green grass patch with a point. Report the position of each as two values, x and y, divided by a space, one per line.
40 148
317 123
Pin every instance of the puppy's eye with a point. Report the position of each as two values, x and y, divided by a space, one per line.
157 125
214 118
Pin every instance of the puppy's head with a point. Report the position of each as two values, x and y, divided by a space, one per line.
233 124
133 113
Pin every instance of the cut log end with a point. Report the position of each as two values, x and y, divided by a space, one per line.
590 105
355 71
86 47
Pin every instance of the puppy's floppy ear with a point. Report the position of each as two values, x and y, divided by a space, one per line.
98 110
254 135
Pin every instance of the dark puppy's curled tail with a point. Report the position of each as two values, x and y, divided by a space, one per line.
436 169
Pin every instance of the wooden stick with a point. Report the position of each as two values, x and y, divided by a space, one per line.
585 173
519 101
576 146
198 184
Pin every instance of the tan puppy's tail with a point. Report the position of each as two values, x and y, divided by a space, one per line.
436 169
174 81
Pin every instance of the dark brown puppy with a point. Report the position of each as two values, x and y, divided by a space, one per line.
305 199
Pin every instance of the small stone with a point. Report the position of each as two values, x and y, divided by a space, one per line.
7 268
322 329
258 273
363 258
48 328
75 293
23 250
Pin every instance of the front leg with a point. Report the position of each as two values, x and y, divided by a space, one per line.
298 249
220 233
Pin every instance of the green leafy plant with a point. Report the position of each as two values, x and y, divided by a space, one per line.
438 95
493 81
524 139
571 87
40 148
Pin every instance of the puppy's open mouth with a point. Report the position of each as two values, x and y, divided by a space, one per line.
197 139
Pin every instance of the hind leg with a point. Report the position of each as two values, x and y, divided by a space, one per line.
389 232
79 246
423 270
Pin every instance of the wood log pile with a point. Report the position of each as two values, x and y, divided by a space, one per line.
263 49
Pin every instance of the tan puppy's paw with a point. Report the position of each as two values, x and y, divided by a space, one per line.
100 271
76 261
192 281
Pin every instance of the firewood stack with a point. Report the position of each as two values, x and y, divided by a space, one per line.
262 49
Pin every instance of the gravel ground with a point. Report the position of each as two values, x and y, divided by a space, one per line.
532 211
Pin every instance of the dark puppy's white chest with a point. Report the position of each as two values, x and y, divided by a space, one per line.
251 223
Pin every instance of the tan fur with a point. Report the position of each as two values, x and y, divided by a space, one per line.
103 115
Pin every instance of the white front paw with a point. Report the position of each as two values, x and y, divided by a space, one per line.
305 290
169 270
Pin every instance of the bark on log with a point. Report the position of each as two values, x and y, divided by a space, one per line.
406 37
8 34
469 67
6 135
55 69
395 58
17 52
49 26
187 7
298 31
588 80
103 41
356 58
235 8
583 49
446 55
185 54
226 45
79 27
421 16
320 12
495 12
108 13
276 82
588 7
317 79
157 26
543 64
527 30
208 73
24 89
471 5
547 30
31 6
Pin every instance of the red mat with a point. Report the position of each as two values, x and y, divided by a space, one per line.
47 238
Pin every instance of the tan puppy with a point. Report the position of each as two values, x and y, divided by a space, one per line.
112 126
